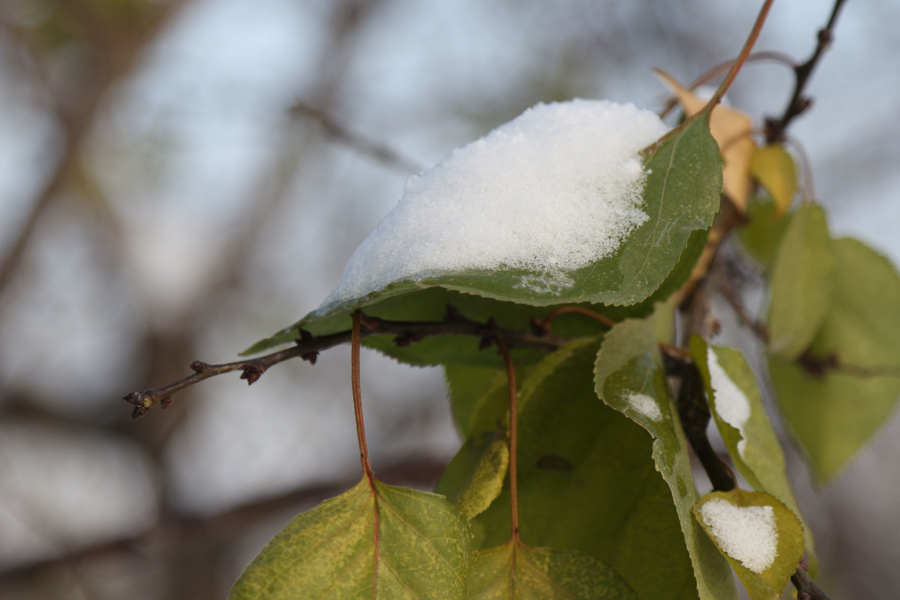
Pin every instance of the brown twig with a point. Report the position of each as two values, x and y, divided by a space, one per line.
805 585
693 410
799 103
308 346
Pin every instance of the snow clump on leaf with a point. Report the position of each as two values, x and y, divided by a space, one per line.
552 191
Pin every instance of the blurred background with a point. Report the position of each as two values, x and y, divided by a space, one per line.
180 178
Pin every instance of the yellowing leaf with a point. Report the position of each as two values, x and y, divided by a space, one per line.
731 130
774 169
474 478
373 541
760 537
514 571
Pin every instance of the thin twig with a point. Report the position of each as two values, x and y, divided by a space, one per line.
308 346
725 285
799 103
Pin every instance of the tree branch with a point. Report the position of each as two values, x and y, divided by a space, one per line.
379 152
174 527
308 346
807 589
799 103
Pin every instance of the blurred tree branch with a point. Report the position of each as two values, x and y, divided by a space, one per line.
117 47
174 527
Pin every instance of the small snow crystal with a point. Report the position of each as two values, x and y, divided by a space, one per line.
730 401
644 405
745 533
551 191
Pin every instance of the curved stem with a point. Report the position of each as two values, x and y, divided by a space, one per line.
717 70
513 439
578 310
357 397
745 53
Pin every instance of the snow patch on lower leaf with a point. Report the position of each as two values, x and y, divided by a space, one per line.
745 533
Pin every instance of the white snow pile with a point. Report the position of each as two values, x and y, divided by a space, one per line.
553 190
731 404
644 405
745 533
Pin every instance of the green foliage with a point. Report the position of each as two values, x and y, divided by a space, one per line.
802 283
628 379
847 385
754 449
605 510
681 197
373 541
517 571
788 547
587 483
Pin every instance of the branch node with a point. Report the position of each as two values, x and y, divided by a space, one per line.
165 402
407 339
138 412
252 373
199 366
539 327
369 323
310 357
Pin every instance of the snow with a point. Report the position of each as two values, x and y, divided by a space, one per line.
745 533
731 404
553 190
644 405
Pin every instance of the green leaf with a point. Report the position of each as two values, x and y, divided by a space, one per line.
802 283
762 236
474 478
751 441
515 570
760 537
681 197
834 412
629 380
404 543
587 482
